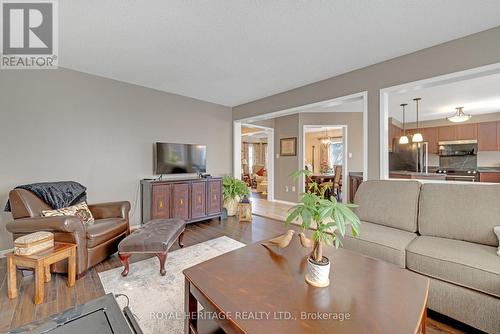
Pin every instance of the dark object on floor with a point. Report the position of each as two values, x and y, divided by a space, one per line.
56 194
155 237
94 242
101 315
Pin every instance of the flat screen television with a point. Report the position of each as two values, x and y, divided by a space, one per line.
180 158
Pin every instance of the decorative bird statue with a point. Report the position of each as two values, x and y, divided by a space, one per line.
282 241
305 241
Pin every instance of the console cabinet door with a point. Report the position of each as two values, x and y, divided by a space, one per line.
198 199
160 206
214 197
180 200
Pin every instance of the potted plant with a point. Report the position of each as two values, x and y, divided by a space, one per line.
233 190
331 219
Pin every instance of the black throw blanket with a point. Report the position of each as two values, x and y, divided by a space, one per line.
56 194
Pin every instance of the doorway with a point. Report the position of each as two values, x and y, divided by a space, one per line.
325 156
255 163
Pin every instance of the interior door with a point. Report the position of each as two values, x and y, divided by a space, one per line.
198 199
180 200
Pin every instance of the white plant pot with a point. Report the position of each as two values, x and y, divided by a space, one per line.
231 206
318 274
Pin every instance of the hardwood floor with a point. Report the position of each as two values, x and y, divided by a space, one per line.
58 297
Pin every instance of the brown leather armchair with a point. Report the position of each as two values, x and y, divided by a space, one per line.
94 242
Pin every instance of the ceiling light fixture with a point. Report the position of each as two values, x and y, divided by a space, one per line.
404 138
326 140
459 116
417 137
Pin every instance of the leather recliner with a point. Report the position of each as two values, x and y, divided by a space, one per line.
94 242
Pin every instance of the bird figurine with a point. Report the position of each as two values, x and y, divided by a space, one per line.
282 241
305 241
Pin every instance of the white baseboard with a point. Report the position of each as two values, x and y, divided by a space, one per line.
3 252
284 202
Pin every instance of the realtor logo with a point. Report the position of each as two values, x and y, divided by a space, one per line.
28 34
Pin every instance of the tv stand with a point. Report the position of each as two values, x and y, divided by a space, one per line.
191 199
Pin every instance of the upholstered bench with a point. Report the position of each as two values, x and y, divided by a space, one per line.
155 237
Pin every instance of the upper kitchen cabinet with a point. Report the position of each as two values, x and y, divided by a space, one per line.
487 137
447 133
431 137
466 131
394 133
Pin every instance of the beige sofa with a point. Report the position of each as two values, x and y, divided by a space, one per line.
443 231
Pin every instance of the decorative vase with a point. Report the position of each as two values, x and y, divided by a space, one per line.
318 273
231 206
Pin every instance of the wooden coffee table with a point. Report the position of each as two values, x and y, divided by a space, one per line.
41 262
255 290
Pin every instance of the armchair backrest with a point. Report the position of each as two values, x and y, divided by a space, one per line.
25 204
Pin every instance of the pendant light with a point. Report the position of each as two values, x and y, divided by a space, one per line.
459 116
326 139
404 138
417 137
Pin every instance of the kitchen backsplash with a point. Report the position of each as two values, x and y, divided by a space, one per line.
484 159
488 159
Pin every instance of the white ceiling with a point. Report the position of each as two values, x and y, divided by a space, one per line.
232 52
477 96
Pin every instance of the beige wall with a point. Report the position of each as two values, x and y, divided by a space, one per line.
285 127
66 125
461 54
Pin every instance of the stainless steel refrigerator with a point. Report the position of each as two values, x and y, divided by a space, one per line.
412 157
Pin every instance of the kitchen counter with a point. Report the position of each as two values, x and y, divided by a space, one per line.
416 175
488 169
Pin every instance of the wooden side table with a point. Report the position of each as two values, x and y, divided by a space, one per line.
41 262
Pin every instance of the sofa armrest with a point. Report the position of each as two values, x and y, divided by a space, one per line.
52 224
110 210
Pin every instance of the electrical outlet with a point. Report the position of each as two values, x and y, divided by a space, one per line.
293 188
350 155
286 188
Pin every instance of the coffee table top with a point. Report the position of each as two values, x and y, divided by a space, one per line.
251 285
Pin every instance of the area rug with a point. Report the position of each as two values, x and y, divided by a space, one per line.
158 301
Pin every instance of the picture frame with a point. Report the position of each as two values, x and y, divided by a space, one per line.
288 146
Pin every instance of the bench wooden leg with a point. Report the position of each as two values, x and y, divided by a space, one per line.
181 236
163 258
11 278
124 258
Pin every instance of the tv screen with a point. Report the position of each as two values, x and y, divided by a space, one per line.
180 158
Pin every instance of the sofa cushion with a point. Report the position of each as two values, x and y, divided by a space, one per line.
104 229
463 263
460 211
381 242
390 203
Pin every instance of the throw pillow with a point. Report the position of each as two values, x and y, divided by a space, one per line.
260 172
80 210
496 229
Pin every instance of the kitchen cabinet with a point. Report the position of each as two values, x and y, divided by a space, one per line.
431 137
489 177
394 133
487 138
498 136
446 133
466 131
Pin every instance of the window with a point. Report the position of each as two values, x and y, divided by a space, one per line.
335 154
251 158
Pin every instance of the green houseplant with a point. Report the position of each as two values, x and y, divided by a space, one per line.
233 190
331 219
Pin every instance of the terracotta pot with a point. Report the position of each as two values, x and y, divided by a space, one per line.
231 206
318 273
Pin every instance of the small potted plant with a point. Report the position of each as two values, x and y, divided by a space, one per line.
233 190
331 219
